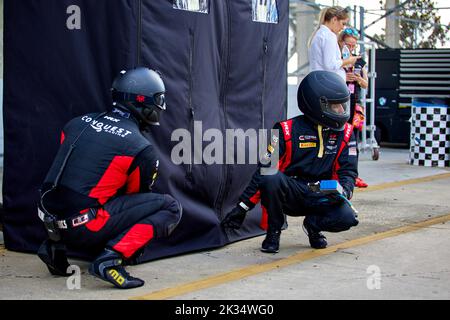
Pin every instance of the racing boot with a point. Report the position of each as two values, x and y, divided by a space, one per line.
109 267
271 243
316 239
53 254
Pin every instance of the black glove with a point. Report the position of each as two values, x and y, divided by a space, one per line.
318 199
234 218
347 193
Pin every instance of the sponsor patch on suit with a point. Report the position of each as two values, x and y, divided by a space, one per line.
307 137
304 145
352 151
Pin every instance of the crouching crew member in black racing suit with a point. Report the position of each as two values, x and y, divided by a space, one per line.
97 194
316 146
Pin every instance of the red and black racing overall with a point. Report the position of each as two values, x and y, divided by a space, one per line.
307 153
109 176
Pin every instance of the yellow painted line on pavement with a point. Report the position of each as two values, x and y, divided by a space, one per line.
294 259
403 183
2 248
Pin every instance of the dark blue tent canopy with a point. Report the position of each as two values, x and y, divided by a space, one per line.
220 67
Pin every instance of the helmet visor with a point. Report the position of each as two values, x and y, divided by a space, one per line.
159 100
335 109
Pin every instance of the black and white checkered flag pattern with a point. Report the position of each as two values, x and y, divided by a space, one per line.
430 136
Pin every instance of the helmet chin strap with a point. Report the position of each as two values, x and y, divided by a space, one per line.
146 117
151 116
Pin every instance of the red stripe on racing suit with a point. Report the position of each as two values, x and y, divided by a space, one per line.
134 181
113 179
348 130
134 239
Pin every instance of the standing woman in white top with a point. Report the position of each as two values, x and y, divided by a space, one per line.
324 51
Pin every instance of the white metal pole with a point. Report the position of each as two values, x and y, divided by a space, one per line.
372 97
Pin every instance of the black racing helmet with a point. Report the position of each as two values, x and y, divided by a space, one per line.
324 98
140 91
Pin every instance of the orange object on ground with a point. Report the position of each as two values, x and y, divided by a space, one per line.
360 183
